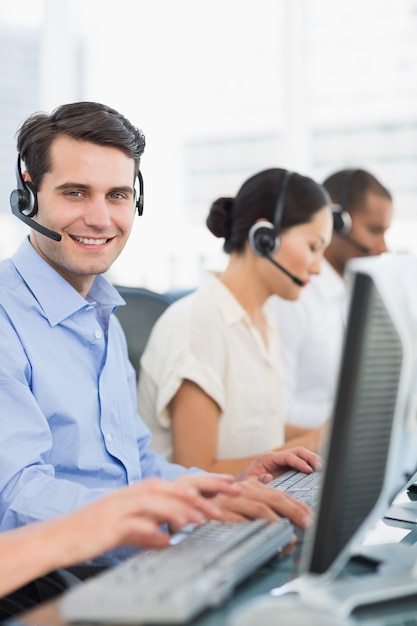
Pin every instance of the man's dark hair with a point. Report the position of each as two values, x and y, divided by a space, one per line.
82 121
349 187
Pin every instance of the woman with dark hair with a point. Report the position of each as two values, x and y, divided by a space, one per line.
210 384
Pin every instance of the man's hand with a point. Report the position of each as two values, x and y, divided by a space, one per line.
133 515
270 464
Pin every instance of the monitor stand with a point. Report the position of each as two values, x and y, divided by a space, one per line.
336 599
266 610
403 512
404 506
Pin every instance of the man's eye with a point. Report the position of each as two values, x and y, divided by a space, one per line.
375 230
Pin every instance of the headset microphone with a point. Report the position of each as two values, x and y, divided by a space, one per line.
24 204
264 236
294 278
359 246
14 203
263 245
342 223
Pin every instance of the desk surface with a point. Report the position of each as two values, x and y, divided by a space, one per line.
275 573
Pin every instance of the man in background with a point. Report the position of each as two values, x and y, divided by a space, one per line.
312 329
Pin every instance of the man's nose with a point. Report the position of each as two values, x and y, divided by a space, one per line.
97 212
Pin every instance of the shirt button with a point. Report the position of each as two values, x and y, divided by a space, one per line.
109 437
97 334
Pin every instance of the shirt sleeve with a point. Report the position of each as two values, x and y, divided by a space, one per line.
179 350
31 488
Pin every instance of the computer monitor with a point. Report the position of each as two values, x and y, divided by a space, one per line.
371 450
372 445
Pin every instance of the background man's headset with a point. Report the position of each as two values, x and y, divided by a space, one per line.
24 202
342 221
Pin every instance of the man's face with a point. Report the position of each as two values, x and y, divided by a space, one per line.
370 223
88 198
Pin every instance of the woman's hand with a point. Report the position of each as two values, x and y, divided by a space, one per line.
270 464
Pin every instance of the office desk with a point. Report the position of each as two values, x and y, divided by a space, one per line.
275 573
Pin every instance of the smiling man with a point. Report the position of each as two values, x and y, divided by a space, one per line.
69 428
87 195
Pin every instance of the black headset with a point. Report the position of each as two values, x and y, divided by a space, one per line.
23 199
24 202
139 201
264 236
342 221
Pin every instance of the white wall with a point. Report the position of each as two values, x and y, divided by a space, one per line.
320 78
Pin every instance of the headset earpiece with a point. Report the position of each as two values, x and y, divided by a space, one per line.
342 222
23 200
139 201
264 236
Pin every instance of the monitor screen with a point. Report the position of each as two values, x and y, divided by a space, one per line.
371 448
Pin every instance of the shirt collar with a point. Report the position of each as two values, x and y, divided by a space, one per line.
55 295
228 306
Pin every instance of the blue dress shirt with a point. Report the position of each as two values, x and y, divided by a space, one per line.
69 428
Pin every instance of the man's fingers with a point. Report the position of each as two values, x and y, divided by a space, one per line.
211 484
145 532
